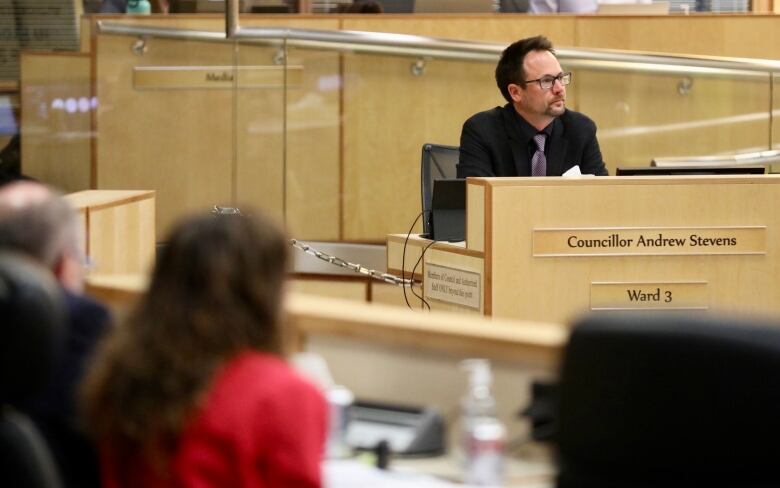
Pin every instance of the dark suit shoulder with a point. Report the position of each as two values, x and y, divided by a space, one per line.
88 321
576 119
485 117
484 148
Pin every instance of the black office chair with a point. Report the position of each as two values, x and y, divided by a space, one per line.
397 6
514 6
659 400
438 162
31 328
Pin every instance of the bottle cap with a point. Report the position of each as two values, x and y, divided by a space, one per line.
479 371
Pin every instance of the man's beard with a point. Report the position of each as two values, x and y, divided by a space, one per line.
554 111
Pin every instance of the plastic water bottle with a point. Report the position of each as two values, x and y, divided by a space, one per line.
139 7
483 436
339 398
340 401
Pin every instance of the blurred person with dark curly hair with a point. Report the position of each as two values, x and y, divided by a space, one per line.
193 390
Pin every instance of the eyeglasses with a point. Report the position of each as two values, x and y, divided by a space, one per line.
547 82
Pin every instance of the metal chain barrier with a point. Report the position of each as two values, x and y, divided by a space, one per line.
335 260
357 268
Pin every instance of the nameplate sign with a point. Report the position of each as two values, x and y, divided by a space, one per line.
647 295
214 77
452 285
657 241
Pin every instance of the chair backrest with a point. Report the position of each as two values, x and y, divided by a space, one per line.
25 458
397 6
438 163
661 400
456 6
31 335
514 6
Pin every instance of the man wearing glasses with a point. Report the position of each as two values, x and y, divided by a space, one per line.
533 134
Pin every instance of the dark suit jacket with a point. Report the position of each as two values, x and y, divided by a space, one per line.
54 411
493 143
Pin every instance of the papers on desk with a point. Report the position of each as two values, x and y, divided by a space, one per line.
574 172
349 473
643 7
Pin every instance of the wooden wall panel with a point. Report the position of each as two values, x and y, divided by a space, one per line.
388 294
715 35
55 115
475 27
86 25
355 290
674 34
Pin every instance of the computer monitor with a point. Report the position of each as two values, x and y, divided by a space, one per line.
439 162
448 210
689 170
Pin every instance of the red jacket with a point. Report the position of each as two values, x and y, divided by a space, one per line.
261 425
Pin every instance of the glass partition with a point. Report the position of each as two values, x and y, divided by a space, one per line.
290 162
165 121
391 107
775 133
327 135
642 116
355 124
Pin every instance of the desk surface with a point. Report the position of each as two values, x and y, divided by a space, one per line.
535 470
103 198
510 339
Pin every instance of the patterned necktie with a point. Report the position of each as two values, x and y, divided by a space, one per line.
539 161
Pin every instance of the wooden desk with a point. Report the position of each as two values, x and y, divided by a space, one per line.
512 340
118 229
532 470
453 333
389 354
547 249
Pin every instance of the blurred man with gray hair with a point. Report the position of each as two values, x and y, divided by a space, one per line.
37 221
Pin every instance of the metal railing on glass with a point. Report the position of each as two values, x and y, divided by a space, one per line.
759 158
423 49
431 48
